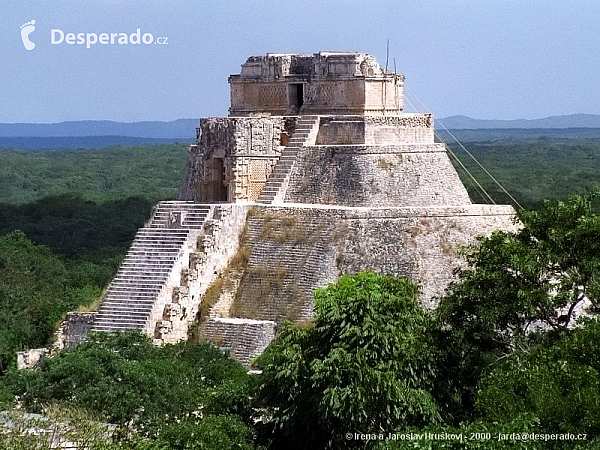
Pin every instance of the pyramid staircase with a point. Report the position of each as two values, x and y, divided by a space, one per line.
151 266
276 185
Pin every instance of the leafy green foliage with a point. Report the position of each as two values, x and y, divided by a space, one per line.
479 435
56 428
214 432
513 280
72 226
36 289
159 392
86 239
38 286
151 171
559 383
364 365
531 169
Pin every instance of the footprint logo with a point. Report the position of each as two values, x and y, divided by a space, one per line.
26 30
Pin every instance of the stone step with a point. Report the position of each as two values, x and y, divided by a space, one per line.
142 274
116 326
157 249
163 218
130 312
130 296
156 269
140 318
106 319
126 307
145 271
190 207
112 328
178 240
137 281
115 318
155 246
119 285
131 293
182 207
120 299
143 265
141 259
128 302
130 267
155 256
168 233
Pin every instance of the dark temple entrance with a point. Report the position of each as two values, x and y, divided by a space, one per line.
296 91
219 186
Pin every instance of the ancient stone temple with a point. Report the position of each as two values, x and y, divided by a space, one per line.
316 172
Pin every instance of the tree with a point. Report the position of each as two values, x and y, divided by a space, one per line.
513 284
558 382
365 364
33 282
156 392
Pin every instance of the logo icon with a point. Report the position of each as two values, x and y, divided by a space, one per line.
26 30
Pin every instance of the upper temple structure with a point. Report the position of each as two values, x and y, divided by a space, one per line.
325 83
316 172
326 128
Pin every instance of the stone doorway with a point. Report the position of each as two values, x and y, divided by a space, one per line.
296 95
220 190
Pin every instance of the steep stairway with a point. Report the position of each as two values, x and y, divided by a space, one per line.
149 265
279 178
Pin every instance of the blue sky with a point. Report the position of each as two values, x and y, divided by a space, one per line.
481 58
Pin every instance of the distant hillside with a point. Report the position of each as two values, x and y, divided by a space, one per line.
183 129
568 121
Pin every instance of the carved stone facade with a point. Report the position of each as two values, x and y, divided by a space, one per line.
322 83
233 157
319 173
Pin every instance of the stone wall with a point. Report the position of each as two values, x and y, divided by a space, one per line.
402 129
376 130
215 247
243 338
401 175
171 312
294 250
233 157
291 253
323 83
30 359
76 327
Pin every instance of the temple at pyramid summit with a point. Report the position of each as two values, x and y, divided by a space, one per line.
316 172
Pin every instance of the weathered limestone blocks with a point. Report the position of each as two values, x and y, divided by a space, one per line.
244 338
296 249
31 358
322 83
76 327
376 130
216 248
233 157
402 175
